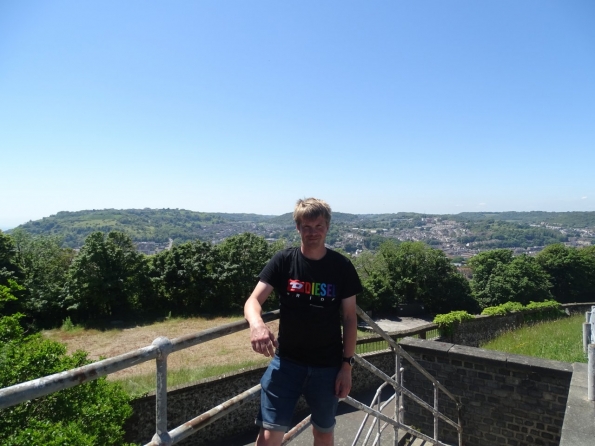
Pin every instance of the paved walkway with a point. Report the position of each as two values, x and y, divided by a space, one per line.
402 323
349 421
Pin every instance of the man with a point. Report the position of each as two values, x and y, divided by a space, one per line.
316 288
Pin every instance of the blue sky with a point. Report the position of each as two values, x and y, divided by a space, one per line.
437 106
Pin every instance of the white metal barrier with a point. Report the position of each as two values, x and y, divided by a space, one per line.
589 348
162 347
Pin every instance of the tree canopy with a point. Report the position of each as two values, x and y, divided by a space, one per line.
411 272
88 414
106 278
499 277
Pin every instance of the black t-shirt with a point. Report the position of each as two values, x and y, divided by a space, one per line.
310 294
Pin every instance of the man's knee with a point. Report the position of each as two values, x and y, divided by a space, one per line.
323 438
269 438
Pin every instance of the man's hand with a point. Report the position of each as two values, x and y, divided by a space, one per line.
263 340
343 381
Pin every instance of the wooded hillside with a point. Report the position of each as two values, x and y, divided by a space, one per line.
460 234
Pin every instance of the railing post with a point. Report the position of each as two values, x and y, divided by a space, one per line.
161 434
435 412
586 336
591 373
399 379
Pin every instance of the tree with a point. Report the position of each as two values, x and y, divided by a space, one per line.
498 277
484 264
185 276
8 266
571 271
377 293
88 414
445 289
107 279
240 258
412 272
44 265
10 276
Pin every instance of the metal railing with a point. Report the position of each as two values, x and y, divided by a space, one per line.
397 383
162 347
589 349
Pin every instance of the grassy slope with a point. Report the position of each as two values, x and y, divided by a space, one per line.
559 340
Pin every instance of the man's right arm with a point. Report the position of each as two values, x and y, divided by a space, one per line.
262 339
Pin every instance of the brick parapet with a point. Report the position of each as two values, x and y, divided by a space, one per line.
190 401
507 399
460 361
483 328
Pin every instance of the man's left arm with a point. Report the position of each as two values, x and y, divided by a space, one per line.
343 381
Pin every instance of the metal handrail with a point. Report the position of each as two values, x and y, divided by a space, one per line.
400 389
162 347
19 393
404 354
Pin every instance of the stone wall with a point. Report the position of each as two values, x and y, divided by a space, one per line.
507 399
187 402
474 333
481 380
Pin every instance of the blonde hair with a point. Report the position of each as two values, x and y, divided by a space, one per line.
311 208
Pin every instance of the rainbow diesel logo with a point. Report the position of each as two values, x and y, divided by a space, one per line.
311 288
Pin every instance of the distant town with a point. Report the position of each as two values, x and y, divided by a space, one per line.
460 236
442 234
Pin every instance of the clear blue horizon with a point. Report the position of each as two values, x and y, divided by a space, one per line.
392 106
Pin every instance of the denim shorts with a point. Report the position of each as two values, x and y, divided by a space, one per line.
283 383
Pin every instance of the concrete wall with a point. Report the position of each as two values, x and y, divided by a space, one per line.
507 399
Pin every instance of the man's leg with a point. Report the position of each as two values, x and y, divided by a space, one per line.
281 388
323 438
270 438
320 395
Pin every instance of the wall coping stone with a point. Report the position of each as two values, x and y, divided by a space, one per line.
538 365
420 345
490 357
578 428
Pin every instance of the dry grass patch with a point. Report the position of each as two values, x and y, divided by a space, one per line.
229 350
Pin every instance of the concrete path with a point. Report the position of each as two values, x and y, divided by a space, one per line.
402 323
349 421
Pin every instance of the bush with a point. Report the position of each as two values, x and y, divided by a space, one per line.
547 310
501 310
67 325
447 322
88 414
